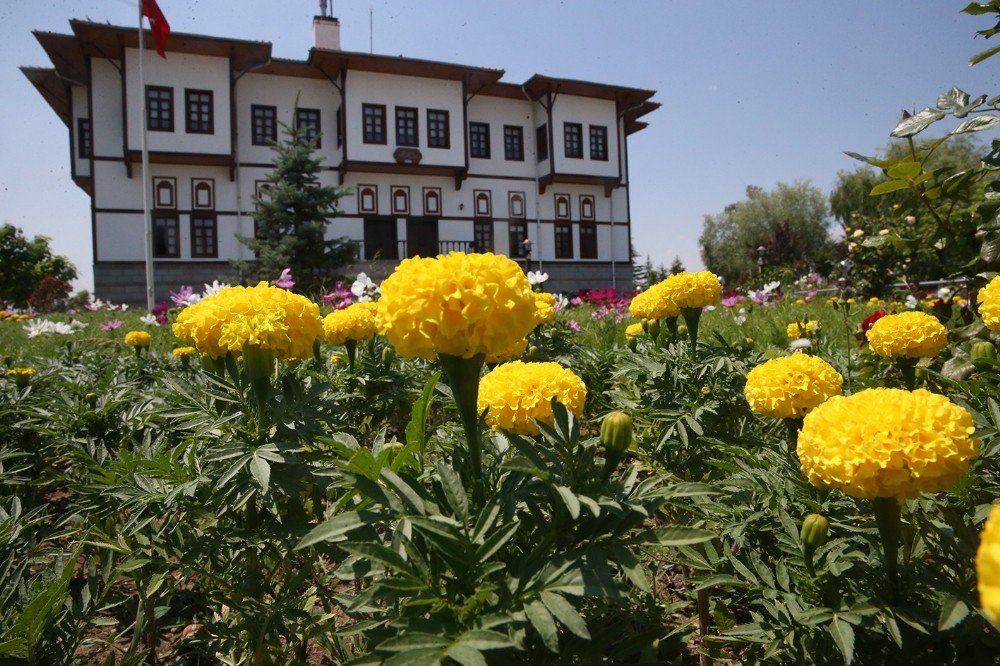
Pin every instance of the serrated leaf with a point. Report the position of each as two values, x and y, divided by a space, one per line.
843 636
261 471
570 500
917 123
337 526
454 491
568 616
543 623
466 655
675 535
953 611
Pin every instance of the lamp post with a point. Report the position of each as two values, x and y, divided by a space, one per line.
526 245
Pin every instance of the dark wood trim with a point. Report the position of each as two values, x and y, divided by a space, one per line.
437 191
396 110
182 158
73 130
524 204
270 165
319 123
607 182
343 117
569 206
590 142
358 189
593 228
498 177
233 134
392 199
385 124
552 131
204 215
89 133
171 215
155 204
179 211
93 151
579 128
187 111
447 127
465 125
124 89
405 169
173 108
253 134
211 204
489 203
593 207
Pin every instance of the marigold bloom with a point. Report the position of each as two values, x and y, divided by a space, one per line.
885 442
989 304
907 335
518 393
633 329
789 386
545 307
516 350
21 373
456 304
988 566
798 329
138 339
653 304
183 352
265 315
693 290
355 322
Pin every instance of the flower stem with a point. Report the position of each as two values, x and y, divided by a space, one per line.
908 367
888 517
671 324
691 317
462 375
352 351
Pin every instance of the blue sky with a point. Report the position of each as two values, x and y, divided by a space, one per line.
752 92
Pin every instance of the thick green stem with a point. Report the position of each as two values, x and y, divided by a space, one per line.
691 318
352 352
671 325
888 517
908 367
462 375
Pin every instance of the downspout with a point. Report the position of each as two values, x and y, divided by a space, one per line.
234 134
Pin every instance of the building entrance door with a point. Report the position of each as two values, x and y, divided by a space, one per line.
422 236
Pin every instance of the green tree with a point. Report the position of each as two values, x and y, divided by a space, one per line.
25 263
292 219
677 266
790 222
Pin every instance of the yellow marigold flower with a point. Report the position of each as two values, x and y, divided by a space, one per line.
806 329
789 386
21 373
908 335
355 322
988 566
851 301
518 393
800 301
183 352
337 359
633 329
989 304
653 304
693 290
545 307
516 350
286 323
885 442
874 300
138 339
457 304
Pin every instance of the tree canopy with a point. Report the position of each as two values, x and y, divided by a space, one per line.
25 263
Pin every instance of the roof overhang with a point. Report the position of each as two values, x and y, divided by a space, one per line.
608 183
53 89
632 115
332 63
624 98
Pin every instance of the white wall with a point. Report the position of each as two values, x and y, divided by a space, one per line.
106 97
500 111
78 97
392 91
587 112
179 71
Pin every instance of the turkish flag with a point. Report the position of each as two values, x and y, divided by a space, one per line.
157 25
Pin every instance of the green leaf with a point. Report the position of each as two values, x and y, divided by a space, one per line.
988 53
496 540
977 124
466 655
416 428
953 611
484 639
675 536
843 636
338 526
570 500
261 471
454 491
889 186
404 491
904 170
990 249
953 99
917 123
418 657
382 554
543 623
413 640
563 611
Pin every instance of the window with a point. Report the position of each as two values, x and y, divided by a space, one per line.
199 112
479 140
307 120
542 139
573 134
564 241
438 129
204 239
83 145
513 143
599 142
407 133
517 232
159 109
166 236
264 125
588 241
373 116
482 236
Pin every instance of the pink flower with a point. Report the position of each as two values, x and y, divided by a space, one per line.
340 297
731 299
285 279
112 325
182 297
574 326
576 300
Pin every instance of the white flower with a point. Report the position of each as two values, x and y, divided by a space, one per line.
801 343
561 302
213 288
77 324
911 301
149 320
944 293
708 308
36 327
364 289
741 317
123 307
537 277
771 286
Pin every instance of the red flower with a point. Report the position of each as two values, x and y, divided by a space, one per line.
867 324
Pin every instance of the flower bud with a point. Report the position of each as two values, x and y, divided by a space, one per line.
616 433
91 400
388 354
983 352
815 531
632 343
652 328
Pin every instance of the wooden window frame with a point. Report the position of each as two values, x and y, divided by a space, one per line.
511 132
404 114
84 139
314 132
172 182
368 211
476 212
261 112
563 234
573 145
189 106
393 191
161 104
438 137
369 134
515 241
584 199
569 206
172 217
599 140
510 206
200 216
479 152
542 142
478 224
436 191
588 240
195 183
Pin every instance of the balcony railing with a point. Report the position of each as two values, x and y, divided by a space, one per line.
395 250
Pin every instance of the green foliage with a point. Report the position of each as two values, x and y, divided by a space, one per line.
790 223
292 218
25 263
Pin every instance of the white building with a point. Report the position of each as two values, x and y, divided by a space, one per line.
437 156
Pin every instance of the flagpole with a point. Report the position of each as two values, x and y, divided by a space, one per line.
146 180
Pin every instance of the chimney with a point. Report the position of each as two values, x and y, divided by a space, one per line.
326 33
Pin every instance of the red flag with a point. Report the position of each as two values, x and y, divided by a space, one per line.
157 25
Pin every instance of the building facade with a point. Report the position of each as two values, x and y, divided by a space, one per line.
436 156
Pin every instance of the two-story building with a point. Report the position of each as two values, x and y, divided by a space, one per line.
436 156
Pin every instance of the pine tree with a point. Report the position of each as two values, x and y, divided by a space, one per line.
677 266
639 276
292 217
